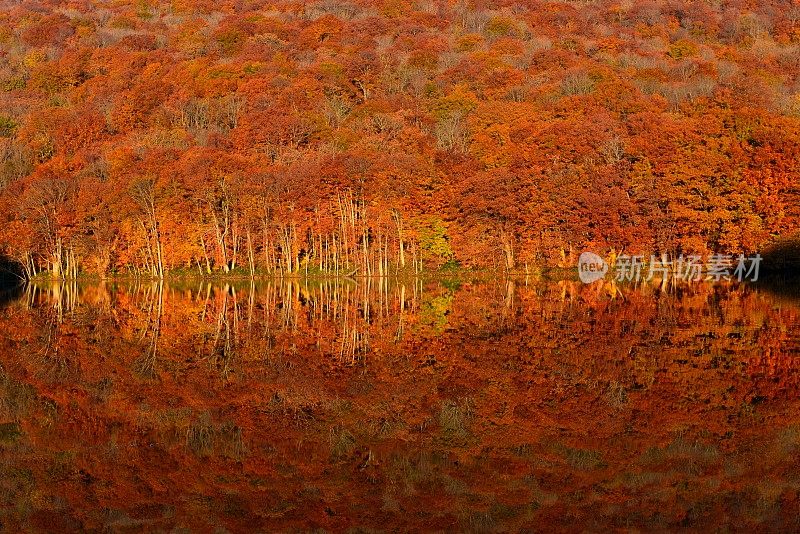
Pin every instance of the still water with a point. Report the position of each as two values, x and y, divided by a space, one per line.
384 406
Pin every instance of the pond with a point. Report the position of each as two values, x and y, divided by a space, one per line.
375 405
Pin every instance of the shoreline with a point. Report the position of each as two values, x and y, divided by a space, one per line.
557 273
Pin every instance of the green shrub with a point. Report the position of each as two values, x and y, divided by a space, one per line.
681 49
7 126
434 241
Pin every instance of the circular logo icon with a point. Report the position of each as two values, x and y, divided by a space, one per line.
591 267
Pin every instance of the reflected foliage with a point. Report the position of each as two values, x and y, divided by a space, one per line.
354 405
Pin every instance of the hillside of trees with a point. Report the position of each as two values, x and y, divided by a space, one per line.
376 137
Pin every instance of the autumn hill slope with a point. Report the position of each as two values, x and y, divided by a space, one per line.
372 136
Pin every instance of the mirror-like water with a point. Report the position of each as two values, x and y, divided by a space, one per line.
426 405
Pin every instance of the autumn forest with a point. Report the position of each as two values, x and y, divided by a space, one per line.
341 266
366 138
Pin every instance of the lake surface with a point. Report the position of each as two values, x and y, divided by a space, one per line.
424 406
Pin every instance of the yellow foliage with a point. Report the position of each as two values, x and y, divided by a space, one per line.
459 101
681 49
469 42
34 58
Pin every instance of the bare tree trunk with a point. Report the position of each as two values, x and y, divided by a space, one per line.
159 249
295 250
508 249
56 260
401 255
287 249
250 255
144 194
221 233
235 244
205 254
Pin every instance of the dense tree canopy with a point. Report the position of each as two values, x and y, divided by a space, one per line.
372 137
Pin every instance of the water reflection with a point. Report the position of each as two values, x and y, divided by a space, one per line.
10 293
421 405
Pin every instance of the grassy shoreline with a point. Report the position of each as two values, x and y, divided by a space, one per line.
556 273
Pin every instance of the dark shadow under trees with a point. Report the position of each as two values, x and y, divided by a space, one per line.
11 280
780 269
